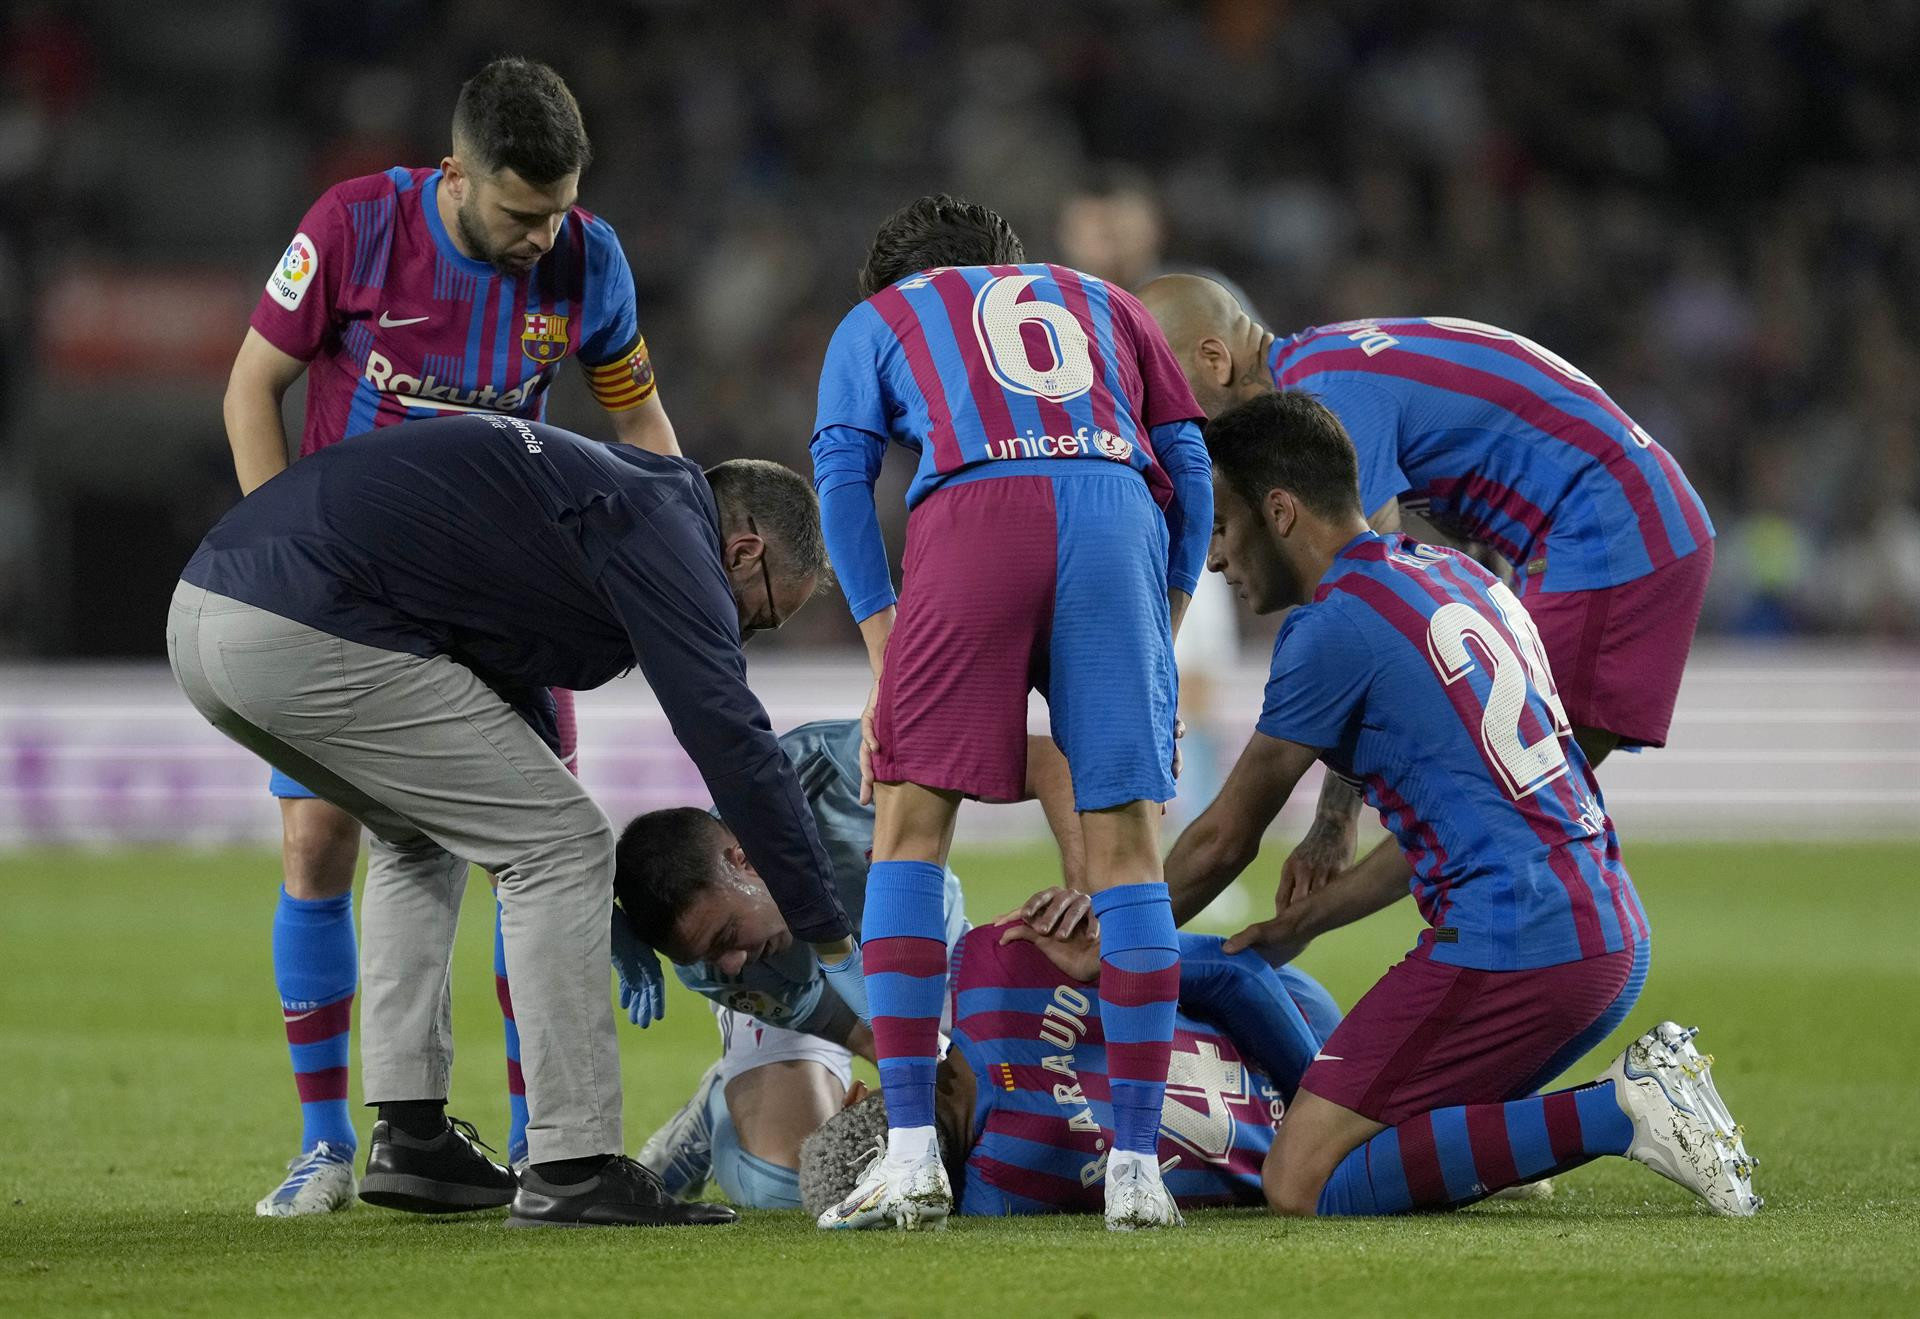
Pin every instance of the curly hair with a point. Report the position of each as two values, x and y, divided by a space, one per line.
937 231
834 1156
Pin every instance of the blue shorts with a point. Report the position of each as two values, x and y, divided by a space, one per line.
1016 583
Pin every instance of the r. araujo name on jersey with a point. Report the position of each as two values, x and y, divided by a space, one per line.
396 323
1498 439
1038 1053
974 366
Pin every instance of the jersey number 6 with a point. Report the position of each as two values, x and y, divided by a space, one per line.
1001 323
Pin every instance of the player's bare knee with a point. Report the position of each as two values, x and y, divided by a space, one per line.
1289 1194
320 845
775 1107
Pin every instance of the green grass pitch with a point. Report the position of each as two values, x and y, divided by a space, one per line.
145 1103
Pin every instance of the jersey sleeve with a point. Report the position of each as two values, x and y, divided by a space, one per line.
663 579
852 393
1251 1002
1322 667
1166 395
296 309
1183 454
612 350
1372 418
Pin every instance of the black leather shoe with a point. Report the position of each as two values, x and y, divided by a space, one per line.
445 1175
622 1194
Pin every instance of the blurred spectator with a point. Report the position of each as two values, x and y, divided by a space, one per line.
1708 205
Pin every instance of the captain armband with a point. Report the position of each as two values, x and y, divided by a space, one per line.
625 382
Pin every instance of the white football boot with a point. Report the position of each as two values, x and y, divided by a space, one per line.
909 1196
1699 1069
1137 1198
318 1182
1673 1134
680 1153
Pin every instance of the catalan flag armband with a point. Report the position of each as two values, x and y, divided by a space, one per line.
626 381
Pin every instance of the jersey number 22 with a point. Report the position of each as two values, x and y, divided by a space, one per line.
1524 767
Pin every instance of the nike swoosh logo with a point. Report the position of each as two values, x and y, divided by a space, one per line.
1327 1058
388 323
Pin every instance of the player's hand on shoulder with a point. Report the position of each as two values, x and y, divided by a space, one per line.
1278 940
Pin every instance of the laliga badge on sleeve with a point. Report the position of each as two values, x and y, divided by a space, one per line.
298 265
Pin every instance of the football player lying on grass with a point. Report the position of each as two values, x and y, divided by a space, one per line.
787 1034
1023 1092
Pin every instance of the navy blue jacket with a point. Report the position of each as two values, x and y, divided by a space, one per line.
537 559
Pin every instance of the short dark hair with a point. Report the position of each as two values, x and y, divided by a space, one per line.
663 861
1287 440
781 503
517 114
937 231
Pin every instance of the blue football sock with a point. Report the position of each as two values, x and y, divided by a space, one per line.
516 1081
1139 987
1454 1156
904 950
316 968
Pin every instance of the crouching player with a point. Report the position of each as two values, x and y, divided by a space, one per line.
787 1039
1024 1093
1414 672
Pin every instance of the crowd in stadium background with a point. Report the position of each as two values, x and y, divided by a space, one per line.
1709 208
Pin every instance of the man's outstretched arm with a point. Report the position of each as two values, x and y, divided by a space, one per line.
1214 849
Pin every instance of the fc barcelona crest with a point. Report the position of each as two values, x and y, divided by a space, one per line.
543 336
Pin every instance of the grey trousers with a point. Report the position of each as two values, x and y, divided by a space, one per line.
443 772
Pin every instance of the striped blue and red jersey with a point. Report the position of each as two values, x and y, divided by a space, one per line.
395 322
1033 1039
1495 438
975 366
1418 675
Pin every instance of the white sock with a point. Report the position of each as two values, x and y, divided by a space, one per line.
911 1144
1120 1158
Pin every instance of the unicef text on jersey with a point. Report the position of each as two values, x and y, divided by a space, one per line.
1087 442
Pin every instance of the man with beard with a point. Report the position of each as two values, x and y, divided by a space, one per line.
409 294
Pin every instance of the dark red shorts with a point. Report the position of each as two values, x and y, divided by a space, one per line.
1617 653
1019 583
1431 1036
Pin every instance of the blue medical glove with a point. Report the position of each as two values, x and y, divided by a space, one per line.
643 989
849 981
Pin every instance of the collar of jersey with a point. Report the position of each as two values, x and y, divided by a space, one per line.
430 206
1353 549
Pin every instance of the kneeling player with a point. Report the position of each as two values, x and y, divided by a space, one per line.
1412 671
1024 1093
787 1039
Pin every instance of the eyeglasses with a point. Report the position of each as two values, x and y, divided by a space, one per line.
766 579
